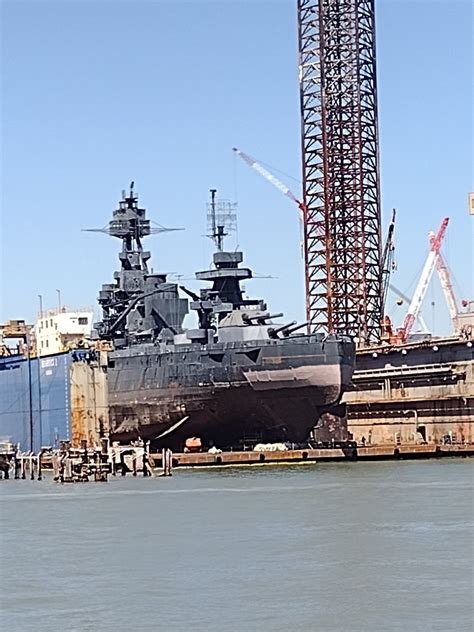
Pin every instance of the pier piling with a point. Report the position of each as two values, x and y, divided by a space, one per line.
167 462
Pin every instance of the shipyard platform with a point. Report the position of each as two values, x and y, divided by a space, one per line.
414 393
308 456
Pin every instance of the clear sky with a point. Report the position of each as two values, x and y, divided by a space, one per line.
95 94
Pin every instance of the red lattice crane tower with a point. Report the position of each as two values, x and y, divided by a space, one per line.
338 89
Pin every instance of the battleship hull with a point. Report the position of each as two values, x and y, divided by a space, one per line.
269 390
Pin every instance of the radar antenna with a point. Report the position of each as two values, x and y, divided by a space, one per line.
221 219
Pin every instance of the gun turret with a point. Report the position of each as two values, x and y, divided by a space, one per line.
203 306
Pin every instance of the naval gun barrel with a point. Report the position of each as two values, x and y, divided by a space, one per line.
288 331
274 316
260 318
274 331
190 293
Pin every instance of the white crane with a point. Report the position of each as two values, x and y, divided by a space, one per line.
446 285
271 178
420 319
425 278
281 187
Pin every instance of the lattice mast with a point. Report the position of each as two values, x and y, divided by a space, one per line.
338 92
221 219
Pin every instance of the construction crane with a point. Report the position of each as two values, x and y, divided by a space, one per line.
403 297
340 160
340 204
280 186
446 285
425 278
271 178
388 262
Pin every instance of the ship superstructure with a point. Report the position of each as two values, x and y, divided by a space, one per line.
139 304
237 374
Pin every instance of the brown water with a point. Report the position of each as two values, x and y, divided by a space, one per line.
360 546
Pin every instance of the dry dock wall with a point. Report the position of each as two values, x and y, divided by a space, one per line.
43 401
34 400
89 417
413 403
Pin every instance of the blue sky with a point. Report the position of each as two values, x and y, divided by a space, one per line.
95 94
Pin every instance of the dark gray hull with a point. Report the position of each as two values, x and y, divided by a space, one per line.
273 390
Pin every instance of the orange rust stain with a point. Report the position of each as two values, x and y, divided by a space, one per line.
78 425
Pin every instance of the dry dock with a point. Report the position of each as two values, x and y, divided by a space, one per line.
414 393
326 455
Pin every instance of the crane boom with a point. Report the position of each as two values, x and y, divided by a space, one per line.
420 319
423 283
446 285
271 178
388 263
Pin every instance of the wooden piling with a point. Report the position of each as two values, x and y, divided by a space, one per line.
40 465
167 462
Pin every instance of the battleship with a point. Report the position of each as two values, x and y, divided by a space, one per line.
236 375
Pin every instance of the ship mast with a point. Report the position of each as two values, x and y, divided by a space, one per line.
124 302
226 275
221 219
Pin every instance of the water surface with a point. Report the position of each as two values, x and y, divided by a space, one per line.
360 546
